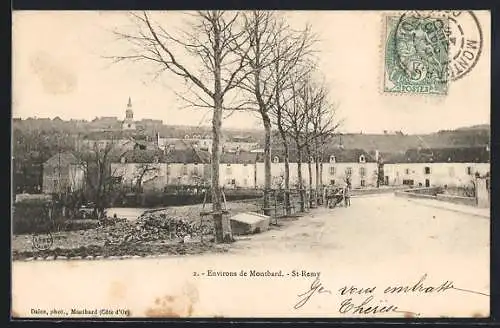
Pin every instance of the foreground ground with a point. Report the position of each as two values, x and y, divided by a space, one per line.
126 238
378 240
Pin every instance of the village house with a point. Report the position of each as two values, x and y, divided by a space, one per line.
156 169
357 164
239 143
237 169
62 173
174 143
106 122
437 167
337 165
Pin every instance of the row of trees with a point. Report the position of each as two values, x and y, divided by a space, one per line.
242 61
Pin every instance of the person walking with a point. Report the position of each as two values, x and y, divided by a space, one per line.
347 196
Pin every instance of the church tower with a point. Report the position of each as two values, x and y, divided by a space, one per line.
128 123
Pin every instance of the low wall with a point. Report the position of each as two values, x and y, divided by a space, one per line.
409 194
372 191
432 193
471 201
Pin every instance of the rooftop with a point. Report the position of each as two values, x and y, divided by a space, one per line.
440 155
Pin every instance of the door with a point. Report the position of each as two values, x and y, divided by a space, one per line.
386 181
427 183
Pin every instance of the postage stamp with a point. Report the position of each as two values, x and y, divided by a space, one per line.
416 55
426 50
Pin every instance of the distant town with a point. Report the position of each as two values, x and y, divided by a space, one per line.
149 154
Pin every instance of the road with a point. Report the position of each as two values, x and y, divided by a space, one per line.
379 240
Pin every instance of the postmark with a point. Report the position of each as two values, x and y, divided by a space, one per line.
42 241
465 40
426 50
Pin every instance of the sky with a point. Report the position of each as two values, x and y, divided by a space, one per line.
59 69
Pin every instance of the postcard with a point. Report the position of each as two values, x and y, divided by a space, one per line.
201 164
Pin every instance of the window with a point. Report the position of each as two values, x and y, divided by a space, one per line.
362 171
332 159
168 169
427 170
276 159
362 159
407 171
469 170
184 169
195 170
245 164
245 182
128 125
332 170
332 182
311 159
451 171
348 171
233 182
362 183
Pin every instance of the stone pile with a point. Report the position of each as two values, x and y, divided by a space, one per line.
151 227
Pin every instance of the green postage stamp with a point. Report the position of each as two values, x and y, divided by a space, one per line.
416 54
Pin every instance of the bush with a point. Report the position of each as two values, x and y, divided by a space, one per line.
30 216
34 216
71 225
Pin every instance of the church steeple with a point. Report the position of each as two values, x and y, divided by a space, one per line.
129 113
128 123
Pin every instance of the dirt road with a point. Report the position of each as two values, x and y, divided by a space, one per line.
377 242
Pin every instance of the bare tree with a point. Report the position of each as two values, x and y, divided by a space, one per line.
98 178
143 170
324 122
308 117
293 119
267 32
294 50
215 72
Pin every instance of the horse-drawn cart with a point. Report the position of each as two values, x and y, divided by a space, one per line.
334 197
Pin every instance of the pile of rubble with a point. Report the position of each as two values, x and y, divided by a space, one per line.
151 227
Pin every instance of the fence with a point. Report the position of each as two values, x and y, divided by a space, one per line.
178 198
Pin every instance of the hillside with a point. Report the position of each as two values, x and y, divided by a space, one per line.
476 135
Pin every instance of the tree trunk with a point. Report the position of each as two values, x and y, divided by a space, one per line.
222 229
288 207
286 200
318 186
301 185
380 174
267 163
321 182
309 170
222 223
